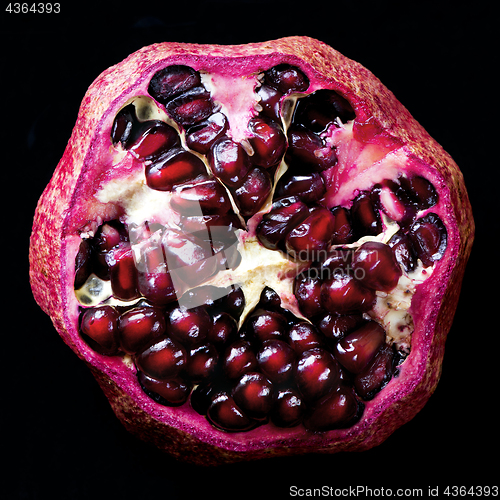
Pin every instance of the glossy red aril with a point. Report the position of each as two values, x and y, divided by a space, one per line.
250 246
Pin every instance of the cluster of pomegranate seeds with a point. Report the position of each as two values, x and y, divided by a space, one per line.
197 344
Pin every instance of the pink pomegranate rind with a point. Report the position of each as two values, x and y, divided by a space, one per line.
64 208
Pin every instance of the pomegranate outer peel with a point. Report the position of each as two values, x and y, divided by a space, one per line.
55 241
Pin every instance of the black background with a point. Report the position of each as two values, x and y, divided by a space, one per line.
60 438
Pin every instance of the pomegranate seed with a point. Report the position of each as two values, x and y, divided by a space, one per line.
376 374
307 187
123 124
309 239
188 326
375 266
83 263
420 191
265 325
337 327
429 238
171 81
403 251
202 395
276 360
199 225
229 161
109 235
269 299
190 107
393 201
270 102
307 290
303 336
284 215
321 108
162 359
366 220
288 409
253 393
343 294
252 194
286 78
122 272
202 362
138 326
356 350
306 149
201 136
150 139
268 141
171 392
201 197
99 329
334 411
317 373
172 169
188 258
342 226
223 328
238 359
226 415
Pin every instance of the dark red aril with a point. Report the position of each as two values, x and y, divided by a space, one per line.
357 349
307 290
286 78
253 393
342 226
229 161
365 218
276 360
201 136
170 392
122 272
171 81
270 101
429 238
190 107
310 239
225 414
343 294
288 409
306 149
317 373
174 168
188 326
109 235
223 328
420 191
269 300
322 108
303 336
239 358
123 123
83 263
308 187
376 266
284 215
334 411
99 326
202 362
376 374
150 139
138 326
162 359
403 251
268 141
203 196
336 327
253 192
264 325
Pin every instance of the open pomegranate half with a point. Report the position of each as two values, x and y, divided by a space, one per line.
256 250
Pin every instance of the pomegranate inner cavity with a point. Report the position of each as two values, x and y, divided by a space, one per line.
261 259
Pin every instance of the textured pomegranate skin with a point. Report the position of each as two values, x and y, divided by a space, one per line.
64 207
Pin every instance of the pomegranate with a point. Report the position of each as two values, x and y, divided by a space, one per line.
256 250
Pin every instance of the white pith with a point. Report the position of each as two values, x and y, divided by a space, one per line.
261 267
